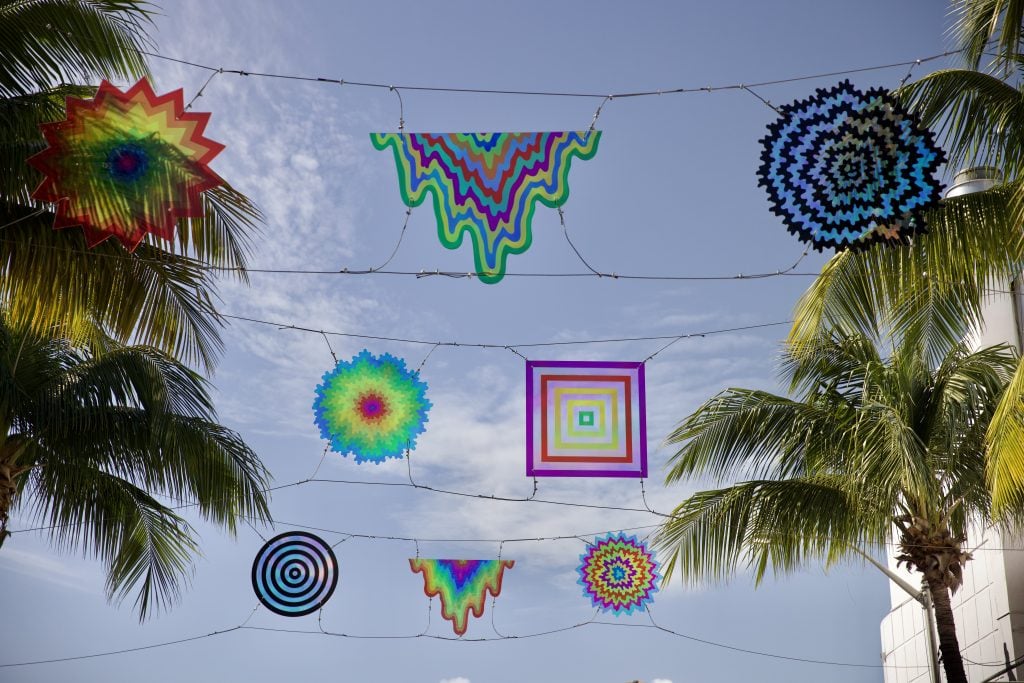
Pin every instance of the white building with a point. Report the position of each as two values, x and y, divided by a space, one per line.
989 607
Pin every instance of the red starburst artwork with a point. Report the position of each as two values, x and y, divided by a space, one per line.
124 164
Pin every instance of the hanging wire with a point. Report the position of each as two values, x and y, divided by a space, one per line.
424 361
677 339
597 114
437 272
401 236
329 347
323 457
255 530
488 496
565 231
251 614
555 93
515 351
508 347
494 598
401 109
910 71
199 93
643 496
491 497
762 99
592 621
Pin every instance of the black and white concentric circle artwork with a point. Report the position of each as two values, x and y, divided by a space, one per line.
294 573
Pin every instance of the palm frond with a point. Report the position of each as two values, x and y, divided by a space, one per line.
145 545
928 293
1005 455
102 435
778 525
51 280
748 433
978 118
978 22
224 237
20 137
44 43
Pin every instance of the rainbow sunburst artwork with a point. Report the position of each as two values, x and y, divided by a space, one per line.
372 407
125 164
618 573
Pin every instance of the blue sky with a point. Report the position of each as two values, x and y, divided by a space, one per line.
672 190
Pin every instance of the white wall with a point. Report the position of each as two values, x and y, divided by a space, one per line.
981 609
989 607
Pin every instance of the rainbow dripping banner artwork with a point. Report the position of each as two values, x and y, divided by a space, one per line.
125 164
585 419
461 585
486 184
847 169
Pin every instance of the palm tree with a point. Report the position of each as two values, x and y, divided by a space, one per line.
162 294
862 444
89 441
932 291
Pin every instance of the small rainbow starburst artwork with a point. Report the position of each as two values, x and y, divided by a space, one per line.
124 164
486 184
585 419
619 574
462 586
372 407
846 169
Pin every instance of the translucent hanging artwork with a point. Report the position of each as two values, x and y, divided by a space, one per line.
124 164
462 586
619 574
294 573
486 184
585 419
372 407
846 169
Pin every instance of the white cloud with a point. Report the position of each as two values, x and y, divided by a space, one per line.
51 569
461 679
661 680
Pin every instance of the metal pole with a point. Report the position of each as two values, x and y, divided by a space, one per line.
924 597
933 646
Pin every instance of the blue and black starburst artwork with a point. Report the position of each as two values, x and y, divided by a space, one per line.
846 169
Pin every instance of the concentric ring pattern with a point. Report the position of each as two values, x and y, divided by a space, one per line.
294 573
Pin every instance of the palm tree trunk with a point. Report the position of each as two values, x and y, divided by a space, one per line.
8 488
10 472
952 662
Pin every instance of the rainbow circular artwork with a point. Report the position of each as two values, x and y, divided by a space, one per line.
372 407
618 573
294 574
846 169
